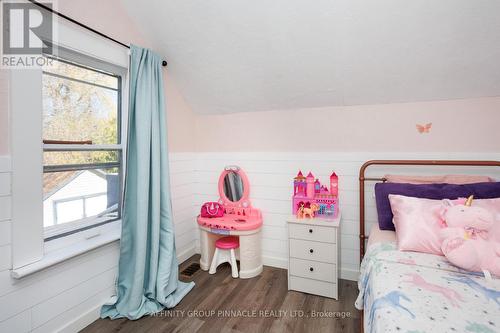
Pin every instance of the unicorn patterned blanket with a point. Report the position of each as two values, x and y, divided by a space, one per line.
417 292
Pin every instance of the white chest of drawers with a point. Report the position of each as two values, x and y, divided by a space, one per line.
313 246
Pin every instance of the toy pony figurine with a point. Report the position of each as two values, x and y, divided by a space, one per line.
309 212
466 241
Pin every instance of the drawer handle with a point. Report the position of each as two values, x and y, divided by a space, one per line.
310 231
311 269
311 251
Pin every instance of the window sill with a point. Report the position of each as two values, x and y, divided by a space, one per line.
67 252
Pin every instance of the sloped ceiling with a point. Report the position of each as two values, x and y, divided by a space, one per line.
240 56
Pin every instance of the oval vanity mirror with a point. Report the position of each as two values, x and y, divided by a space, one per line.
233 186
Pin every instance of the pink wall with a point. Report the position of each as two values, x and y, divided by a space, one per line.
458 126
111 18
180 119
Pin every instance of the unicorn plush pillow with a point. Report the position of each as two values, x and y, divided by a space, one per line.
466 239
418 222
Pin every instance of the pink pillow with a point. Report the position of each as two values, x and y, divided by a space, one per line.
418 221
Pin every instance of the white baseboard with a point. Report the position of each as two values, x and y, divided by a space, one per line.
349 274
93 313
345 273
82 321
266 260
275 262
186 254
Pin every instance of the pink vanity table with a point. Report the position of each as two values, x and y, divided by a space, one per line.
240 219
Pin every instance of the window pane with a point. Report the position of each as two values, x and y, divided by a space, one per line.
75 111
57 67
79 157
71 196
95 205
67 211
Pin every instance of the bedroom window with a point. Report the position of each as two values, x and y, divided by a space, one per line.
82 146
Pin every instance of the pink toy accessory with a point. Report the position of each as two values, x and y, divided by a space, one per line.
466 239
211 210
311 199
238 215
308 212
241 206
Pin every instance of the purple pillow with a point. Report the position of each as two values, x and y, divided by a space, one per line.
488 190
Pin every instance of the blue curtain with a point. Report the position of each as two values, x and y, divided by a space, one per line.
148 268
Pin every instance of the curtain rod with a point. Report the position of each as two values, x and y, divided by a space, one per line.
164 63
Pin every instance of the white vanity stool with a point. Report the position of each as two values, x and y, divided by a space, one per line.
225 248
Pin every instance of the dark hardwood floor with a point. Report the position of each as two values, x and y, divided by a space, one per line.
204 308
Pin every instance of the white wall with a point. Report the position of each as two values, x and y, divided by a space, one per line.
54 297
68 296
4 112
183 182
271 174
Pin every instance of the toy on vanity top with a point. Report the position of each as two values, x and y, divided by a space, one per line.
211 210
311 199
466 238
234 200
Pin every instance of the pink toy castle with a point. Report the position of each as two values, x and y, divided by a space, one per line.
308 191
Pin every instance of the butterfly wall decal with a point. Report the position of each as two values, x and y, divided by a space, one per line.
424 128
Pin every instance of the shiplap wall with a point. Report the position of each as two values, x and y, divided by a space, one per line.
63 297
68 296
271 174
182 176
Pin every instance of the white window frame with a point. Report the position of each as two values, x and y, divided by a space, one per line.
30 252
66 55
